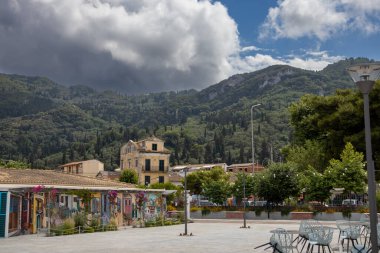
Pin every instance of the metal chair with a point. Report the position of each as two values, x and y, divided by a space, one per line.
321 238
282 242
306 227
342 225
352 233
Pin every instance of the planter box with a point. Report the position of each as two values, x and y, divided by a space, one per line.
234 215
301 215
250 215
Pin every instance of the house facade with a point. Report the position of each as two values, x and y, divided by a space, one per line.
244 167
149 158
85 168
31 200
179 169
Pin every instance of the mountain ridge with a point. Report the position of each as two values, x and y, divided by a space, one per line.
46 124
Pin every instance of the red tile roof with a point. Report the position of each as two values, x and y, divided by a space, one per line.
51 177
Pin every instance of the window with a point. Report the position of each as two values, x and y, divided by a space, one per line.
147 180
161 165
147 164
161 179
136 163
154 146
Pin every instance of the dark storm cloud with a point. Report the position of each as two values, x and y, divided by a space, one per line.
131 46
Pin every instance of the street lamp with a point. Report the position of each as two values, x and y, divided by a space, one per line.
185 170
365 75
253 147
244 203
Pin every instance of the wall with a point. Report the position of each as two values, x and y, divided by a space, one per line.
92 167
273 216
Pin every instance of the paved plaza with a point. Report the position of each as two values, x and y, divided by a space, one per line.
214 236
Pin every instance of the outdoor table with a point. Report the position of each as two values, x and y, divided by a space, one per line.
292 231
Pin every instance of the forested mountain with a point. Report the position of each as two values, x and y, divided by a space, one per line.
46 124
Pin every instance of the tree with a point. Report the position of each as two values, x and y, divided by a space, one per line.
196 180
303 156
335 120
237 188
129 176
348 173
14 164
318 188
277 183
217 191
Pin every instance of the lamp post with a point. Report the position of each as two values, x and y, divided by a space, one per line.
253 147
365 75
244 201
185 170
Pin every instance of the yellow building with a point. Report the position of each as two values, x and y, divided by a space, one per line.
85 168
149 158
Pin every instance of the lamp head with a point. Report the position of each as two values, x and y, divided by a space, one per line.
365 75
364 72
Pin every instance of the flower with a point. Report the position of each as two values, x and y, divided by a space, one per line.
112 195
53 192
38 188
141 199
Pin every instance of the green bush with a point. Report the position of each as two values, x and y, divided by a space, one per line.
80 219
205 211
112 226
285 210
88 230
67 227
168 223
258 211
95 222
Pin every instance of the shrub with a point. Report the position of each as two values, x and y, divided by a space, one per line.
195 208
112 225
95 222
88 230
80 219
171 208
205 211
285 210
346 212
258 211
67 227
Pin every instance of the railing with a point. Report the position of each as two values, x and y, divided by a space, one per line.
155 169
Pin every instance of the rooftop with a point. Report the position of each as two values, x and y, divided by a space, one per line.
54 178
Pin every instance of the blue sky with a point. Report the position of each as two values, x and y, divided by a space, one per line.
345 42
142 46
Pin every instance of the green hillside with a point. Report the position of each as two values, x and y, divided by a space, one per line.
47 124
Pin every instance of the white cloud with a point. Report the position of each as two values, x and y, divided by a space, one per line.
312 60
250 48
320 18
134 45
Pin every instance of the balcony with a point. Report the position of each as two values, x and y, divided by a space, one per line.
155 169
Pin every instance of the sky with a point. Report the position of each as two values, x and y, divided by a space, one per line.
144 46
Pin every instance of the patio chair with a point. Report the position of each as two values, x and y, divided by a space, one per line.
363 248
282 242
342 225
321 238
352 233
306 227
